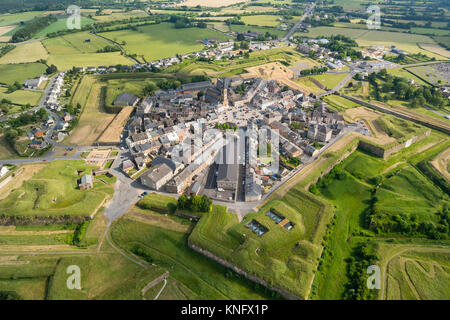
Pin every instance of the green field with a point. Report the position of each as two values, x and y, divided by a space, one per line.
21 97
79 49
168 248
285 258
61 24
53 191
338 103
28 52
329 80
9 73
162 40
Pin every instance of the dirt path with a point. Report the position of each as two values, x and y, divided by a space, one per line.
440 163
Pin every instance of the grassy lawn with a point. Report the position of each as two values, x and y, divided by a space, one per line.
53 191
5 150
329 80
20 72
162 40
28 52
167 248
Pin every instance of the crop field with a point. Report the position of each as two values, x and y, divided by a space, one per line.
162 40
120 15
9 73
420 274
435 48
21 97
61 24
53 191
28 52
204 278
94 120
351 193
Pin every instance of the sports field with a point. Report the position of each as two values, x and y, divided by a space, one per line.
9 73
162 40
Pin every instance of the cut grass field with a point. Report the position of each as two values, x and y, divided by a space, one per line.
28 52
120 15
338 103
162 40
9 73
53 191
8 19
329 80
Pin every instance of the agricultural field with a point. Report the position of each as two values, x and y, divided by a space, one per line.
53 191
166 245
21 97
9 73
338 103
162 40
263 30
208 3
28 52
282 257
17 18
94 119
